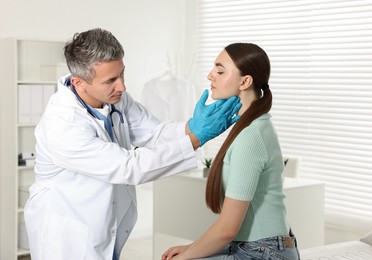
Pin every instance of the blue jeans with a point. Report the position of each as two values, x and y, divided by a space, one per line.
273 248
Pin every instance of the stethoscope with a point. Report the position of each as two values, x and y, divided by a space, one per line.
90 109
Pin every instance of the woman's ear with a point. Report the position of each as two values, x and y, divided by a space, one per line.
246 82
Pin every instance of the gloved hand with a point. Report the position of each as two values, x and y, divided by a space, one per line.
209 121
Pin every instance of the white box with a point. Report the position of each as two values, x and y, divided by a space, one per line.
26 155
30 162
26 162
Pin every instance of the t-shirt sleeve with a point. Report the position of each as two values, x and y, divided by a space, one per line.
247 157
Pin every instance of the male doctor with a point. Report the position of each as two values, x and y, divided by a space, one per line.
83 202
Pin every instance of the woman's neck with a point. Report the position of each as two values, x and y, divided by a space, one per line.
246 99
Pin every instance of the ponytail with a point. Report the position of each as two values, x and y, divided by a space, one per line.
214 195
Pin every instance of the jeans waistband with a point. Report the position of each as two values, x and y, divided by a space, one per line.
281 242
285 242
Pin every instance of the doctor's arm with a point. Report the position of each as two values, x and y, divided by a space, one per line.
222 232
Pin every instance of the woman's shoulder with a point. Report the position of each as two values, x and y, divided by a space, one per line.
257 124
255 132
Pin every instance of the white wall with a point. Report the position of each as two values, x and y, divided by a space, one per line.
147 29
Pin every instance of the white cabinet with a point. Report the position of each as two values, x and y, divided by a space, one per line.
28 74
181 215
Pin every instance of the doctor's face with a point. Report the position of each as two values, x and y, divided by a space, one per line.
225 77
107 85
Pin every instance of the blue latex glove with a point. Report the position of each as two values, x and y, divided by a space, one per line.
209 121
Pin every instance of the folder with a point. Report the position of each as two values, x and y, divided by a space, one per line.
48 91
36 103
24 104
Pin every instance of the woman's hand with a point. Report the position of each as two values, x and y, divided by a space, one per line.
172 252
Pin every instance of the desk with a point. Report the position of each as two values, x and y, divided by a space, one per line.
181 215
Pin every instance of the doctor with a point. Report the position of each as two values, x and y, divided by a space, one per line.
83 202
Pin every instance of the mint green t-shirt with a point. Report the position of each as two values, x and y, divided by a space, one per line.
252 171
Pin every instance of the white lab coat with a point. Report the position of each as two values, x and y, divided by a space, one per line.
83 202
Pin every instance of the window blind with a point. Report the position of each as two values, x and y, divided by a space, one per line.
321 58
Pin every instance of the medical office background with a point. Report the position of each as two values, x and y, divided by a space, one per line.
321 56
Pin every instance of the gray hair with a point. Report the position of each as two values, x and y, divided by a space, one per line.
89 48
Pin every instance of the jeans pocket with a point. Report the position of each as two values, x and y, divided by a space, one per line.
271 254
251 250
258 250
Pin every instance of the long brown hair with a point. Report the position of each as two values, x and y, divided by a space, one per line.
251 60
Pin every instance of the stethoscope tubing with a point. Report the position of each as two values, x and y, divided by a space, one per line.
113 108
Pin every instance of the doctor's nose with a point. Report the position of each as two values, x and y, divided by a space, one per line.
121 86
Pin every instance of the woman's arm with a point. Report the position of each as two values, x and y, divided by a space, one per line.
217 236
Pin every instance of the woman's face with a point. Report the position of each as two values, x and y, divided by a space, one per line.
225 77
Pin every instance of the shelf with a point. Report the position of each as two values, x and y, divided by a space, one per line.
25 168
22 251
29 75
36 82
26 125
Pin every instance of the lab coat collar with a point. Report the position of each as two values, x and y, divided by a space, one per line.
67 96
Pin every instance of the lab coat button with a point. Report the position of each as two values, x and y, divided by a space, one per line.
113 232
126 231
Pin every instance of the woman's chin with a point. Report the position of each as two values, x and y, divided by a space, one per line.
218 97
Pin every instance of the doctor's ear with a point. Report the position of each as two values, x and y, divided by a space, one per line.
246 82
78 83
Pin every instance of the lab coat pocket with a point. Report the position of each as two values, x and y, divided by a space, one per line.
65 238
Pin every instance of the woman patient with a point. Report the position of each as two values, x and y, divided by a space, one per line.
245 184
